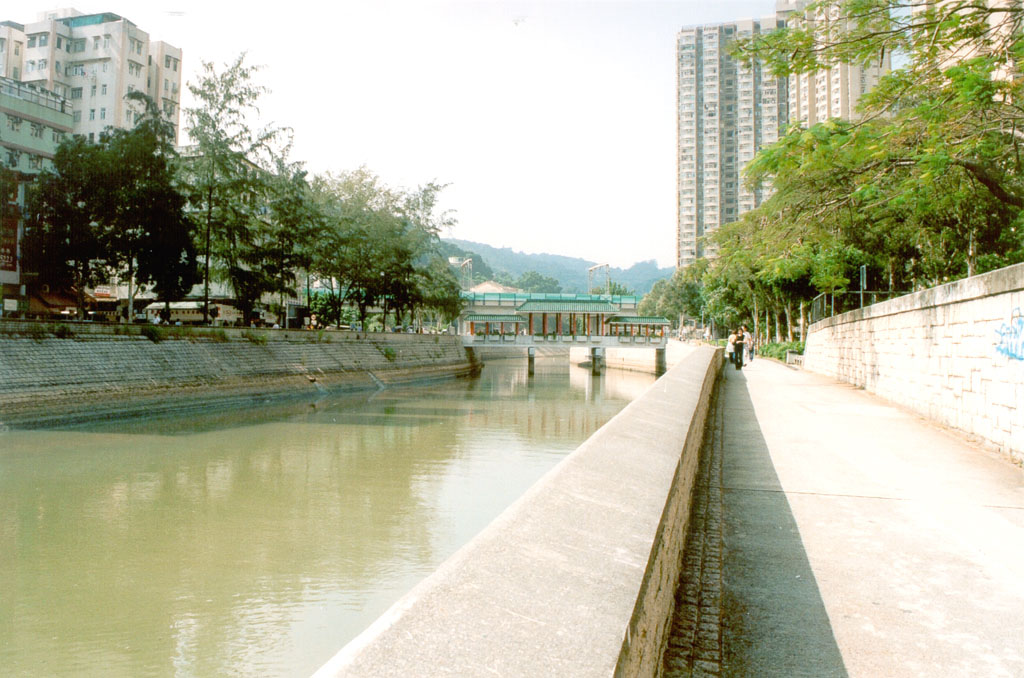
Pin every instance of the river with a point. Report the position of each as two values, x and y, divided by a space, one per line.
257 541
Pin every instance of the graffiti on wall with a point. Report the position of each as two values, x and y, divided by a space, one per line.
1011 337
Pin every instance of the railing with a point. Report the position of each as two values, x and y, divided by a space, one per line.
827 305
562 339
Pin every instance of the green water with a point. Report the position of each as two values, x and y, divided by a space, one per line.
258 541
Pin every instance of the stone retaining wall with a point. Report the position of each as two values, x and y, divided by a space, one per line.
577 578
90 374
954 354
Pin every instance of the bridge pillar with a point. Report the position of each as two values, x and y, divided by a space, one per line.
659 361
596 359
531 357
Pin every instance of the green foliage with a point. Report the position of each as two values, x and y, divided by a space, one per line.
153 333
532 281
925 187
35 331
388 353
63 332
379 246
778 350
255 337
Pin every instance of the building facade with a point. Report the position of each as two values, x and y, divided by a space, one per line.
93 60
33 122
834 92
727 112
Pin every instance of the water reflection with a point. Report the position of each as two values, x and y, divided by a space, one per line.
257 541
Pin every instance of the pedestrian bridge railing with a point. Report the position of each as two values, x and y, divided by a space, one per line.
523 340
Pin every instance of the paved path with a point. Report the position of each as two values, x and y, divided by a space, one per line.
843 536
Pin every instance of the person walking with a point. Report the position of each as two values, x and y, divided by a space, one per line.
748 341
738 349
730 347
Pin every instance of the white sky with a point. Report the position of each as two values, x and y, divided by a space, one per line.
553 122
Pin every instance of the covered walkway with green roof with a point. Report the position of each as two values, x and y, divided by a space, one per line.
554 317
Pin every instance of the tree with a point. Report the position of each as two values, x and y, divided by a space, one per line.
377 244
228 185
62 241
147 236
532 281
928 182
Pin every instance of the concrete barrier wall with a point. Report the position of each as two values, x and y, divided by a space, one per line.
578 577
93 374
954 354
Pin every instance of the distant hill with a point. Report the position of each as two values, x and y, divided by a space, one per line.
571 272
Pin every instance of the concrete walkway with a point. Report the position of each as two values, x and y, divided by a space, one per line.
844 536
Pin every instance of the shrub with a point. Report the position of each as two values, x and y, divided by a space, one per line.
258 339
778 350
63 332
35 331
388 352
153 333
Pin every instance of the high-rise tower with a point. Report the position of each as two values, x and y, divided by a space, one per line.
727 112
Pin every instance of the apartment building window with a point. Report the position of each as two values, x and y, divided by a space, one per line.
37 131
95 42
60 42
92 113
13 122
30 65
134 68
138 47
78 45
92 137
77 116
35 162
167 85
76 69
106 41
58 136
92 91
76 92
44 39
103 114
17 51
104 66
43 63
13 157
31 41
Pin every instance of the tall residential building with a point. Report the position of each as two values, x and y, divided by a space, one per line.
835 92
727 112
93 60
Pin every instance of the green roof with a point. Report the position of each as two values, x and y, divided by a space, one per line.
578 306
638 320
494 318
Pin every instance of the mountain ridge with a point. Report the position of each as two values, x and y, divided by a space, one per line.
571 272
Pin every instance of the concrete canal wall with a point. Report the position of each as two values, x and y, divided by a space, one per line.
954 354
577 578
91 372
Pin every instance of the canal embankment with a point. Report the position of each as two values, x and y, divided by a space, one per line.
578 577
59 373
